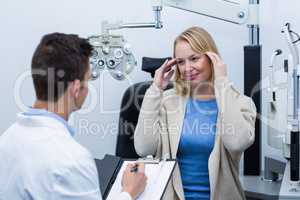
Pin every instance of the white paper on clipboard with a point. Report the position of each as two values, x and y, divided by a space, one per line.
158 176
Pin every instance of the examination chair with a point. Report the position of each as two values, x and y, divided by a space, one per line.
130 109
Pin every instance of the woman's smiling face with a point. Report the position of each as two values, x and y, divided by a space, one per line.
194 68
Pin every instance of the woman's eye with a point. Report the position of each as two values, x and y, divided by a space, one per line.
179 62
195 59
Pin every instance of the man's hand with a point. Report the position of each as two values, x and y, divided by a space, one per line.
134 182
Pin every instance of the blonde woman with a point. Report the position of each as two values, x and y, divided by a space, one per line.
203 122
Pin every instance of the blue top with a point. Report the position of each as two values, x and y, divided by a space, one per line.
196 143
42 112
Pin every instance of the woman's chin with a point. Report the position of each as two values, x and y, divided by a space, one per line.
199 81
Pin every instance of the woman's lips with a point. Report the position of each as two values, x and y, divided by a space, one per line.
191 77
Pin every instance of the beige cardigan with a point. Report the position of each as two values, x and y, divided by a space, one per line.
159 128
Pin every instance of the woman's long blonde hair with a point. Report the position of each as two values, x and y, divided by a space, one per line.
200 41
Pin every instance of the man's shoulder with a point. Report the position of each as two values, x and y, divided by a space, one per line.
69 152
46 148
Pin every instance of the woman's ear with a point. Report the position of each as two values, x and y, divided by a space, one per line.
75 88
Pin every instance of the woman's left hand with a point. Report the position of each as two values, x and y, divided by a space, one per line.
219 67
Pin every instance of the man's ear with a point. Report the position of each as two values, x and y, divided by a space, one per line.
75 88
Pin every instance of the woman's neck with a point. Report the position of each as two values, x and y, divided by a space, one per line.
203 92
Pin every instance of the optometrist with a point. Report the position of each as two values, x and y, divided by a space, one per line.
39 157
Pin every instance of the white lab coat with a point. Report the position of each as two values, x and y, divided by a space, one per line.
40 160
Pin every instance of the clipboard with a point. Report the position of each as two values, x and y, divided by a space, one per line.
158 172
108 169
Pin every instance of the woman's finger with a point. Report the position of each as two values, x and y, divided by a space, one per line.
172 62
216 56
168 66
163 65
169 74
212 58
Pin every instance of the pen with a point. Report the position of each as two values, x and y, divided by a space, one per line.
134 169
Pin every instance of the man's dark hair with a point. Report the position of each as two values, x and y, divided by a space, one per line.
58 59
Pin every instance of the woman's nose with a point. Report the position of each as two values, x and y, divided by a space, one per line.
188 66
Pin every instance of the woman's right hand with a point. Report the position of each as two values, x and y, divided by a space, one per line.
164 73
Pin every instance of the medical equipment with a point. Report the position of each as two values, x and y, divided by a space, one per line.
275 137
113 53
283 115
294 122
276 120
